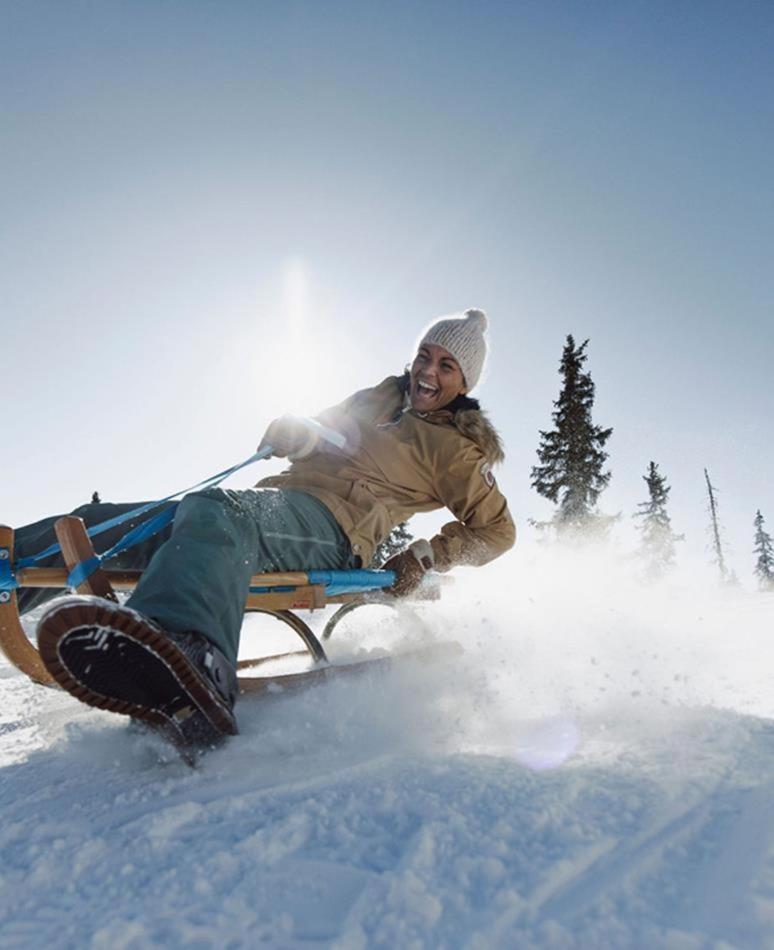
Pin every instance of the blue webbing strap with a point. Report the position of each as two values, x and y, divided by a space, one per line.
7 581
137 534
347 582
340 582
153 525
96 529
140 533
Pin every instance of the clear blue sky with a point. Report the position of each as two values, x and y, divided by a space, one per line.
211 212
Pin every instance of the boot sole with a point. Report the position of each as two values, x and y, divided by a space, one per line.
112 658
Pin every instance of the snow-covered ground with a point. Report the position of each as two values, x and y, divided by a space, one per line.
597 770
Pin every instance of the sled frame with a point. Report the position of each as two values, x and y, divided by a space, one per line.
280 596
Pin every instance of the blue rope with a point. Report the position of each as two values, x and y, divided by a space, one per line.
142 531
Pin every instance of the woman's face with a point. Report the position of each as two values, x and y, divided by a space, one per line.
436 378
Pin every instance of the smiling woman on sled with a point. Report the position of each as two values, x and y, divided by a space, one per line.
414 443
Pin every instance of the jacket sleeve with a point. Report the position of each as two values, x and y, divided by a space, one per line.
484 528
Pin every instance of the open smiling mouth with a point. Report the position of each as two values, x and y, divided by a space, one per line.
425 389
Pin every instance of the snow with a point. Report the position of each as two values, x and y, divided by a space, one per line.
596 770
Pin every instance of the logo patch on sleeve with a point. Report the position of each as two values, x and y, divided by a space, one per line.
486 471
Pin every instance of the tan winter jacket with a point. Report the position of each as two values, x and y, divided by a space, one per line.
397 463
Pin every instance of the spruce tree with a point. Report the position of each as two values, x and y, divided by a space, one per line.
657 546
396 541
572 457
764 567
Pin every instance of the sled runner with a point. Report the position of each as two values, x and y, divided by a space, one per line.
280 595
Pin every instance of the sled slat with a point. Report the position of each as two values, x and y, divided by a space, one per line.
57 577
288 579
76 548
300 598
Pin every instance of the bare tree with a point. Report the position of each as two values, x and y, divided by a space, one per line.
726 576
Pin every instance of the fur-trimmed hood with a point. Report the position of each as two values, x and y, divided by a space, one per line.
474 424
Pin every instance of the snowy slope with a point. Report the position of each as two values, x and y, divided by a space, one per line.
596 771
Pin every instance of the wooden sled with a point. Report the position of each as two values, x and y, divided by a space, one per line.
280 595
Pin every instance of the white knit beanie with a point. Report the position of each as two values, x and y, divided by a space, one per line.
463 337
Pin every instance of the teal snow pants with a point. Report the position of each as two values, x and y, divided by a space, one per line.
197 577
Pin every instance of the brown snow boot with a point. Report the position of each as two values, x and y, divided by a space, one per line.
111 657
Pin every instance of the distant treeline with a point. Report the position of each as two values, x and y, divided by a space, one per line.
572 474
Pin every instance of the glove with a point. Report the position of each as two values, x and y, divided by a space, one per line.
288 436
410 566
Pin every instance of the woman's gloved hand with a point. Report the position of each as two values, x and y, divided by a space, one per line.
410 566
289 437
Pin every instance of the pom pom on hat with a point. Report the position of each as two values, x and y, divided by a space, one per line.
477 318
463 336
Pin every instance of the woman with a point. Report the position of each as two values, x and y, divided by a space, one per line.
413 443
